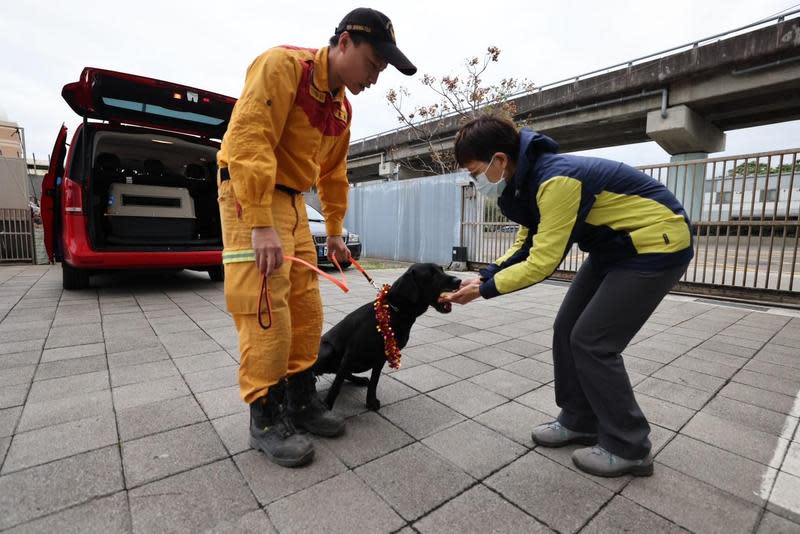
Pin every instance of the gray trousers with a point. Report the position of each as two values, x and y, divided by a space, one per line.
599 316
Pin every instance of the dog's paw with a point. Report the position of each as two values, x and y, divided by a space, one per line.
373 404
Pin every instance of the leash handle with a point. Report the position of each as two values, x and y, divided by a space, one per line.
263 295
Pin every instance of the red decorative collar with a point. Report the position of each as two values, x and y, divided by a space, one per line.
383 317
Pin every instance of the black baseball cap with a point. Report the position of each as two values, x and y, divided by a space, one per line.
378 30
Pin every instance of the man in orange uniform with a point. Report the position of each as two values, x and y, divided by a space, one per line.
289 131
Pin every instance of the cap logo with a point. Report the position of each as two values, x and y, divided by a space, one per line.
358 28
390 29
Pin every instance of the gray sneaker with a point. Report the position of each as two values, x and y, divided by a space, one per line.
599 462
555 434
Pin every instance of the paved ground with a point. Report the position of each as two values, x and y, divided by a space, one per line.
119 412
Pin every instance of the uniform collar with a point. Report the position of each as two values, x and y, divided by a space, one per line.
321 74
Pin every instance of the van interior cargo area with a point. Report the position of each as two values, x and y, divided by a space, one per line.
153 191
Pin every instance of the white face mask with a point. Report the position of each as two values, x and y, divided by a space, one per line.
487 188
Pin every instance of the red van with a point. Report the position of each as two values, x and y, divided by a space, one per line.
136 188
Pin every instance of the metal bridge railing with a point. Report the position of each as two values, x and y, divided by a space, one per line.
745 212
16 236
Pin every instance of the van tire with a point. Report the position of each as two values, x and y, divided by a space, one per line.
217 274
72 278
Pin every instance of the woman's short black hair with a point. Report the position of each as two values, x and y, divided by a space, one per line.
482 137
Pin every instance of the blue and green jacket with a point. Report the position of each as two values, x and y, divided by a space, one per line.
623 218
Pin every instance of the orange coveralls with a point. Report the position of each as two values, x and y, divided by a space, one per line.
286 129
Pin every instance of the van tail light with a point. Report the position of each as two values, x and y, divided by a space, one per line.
73 197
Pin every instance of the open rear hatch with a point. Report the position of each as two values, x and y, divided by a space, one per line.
127 98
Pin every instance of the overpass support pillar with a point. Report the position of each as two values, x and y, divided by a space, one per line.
686 136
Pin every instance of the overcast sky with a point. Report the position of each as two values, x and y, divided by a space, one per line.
205 44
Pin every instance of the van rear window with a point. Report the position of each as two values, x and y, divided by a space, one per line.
162 111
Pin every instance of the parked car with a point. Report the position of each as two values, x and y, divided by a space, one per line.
317 223
136 187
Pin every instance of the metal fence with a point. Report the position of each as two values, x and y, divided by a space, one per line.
744 211
16 236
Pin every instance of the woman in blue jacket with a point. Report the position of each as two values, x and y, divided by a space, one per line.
639 241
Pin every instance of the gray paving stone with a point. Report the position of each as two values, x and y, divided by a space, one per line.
542 399
479 510
368 436
700 365
204 362
5 443
33 345
722 469
623 515
32 493
389 390
424 377
505 383
183 344
530 481
8 420
421 416
515 421
220 402
692 504
233 430
468 398
791 463
539 372
772 369
145 372
83 334
458 345
426 353
414 480
137 356
270 482
461 366
640 350
775 524
341 504
676 393
686 377
749 415
164 454
73 352
107 515
18 358
146 419
77 366
60 441
456 329
60 388
728 348
474 448
493 356
785 497
210 379
787 386
131 342
146 392
15 376
736 438
199 500
79 406
522 348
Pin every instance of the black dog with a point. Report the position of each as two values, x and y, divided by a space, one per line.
355 345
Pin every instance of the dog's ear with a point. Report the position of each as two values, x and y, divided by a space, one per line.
406 286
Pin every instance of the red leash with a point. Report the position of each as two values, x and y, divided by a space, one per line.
263 295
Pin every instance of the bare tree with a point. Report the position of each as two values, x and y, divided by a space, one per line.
461 97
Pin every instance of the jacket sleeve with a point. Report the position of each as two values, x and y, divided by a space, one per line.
333 186
255 129
558 200
515 254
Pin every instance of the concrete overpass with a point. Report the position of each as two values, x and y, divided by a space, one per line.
684 98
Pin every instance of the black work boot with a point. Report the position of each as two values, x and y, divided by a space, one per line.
307 411
272 431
